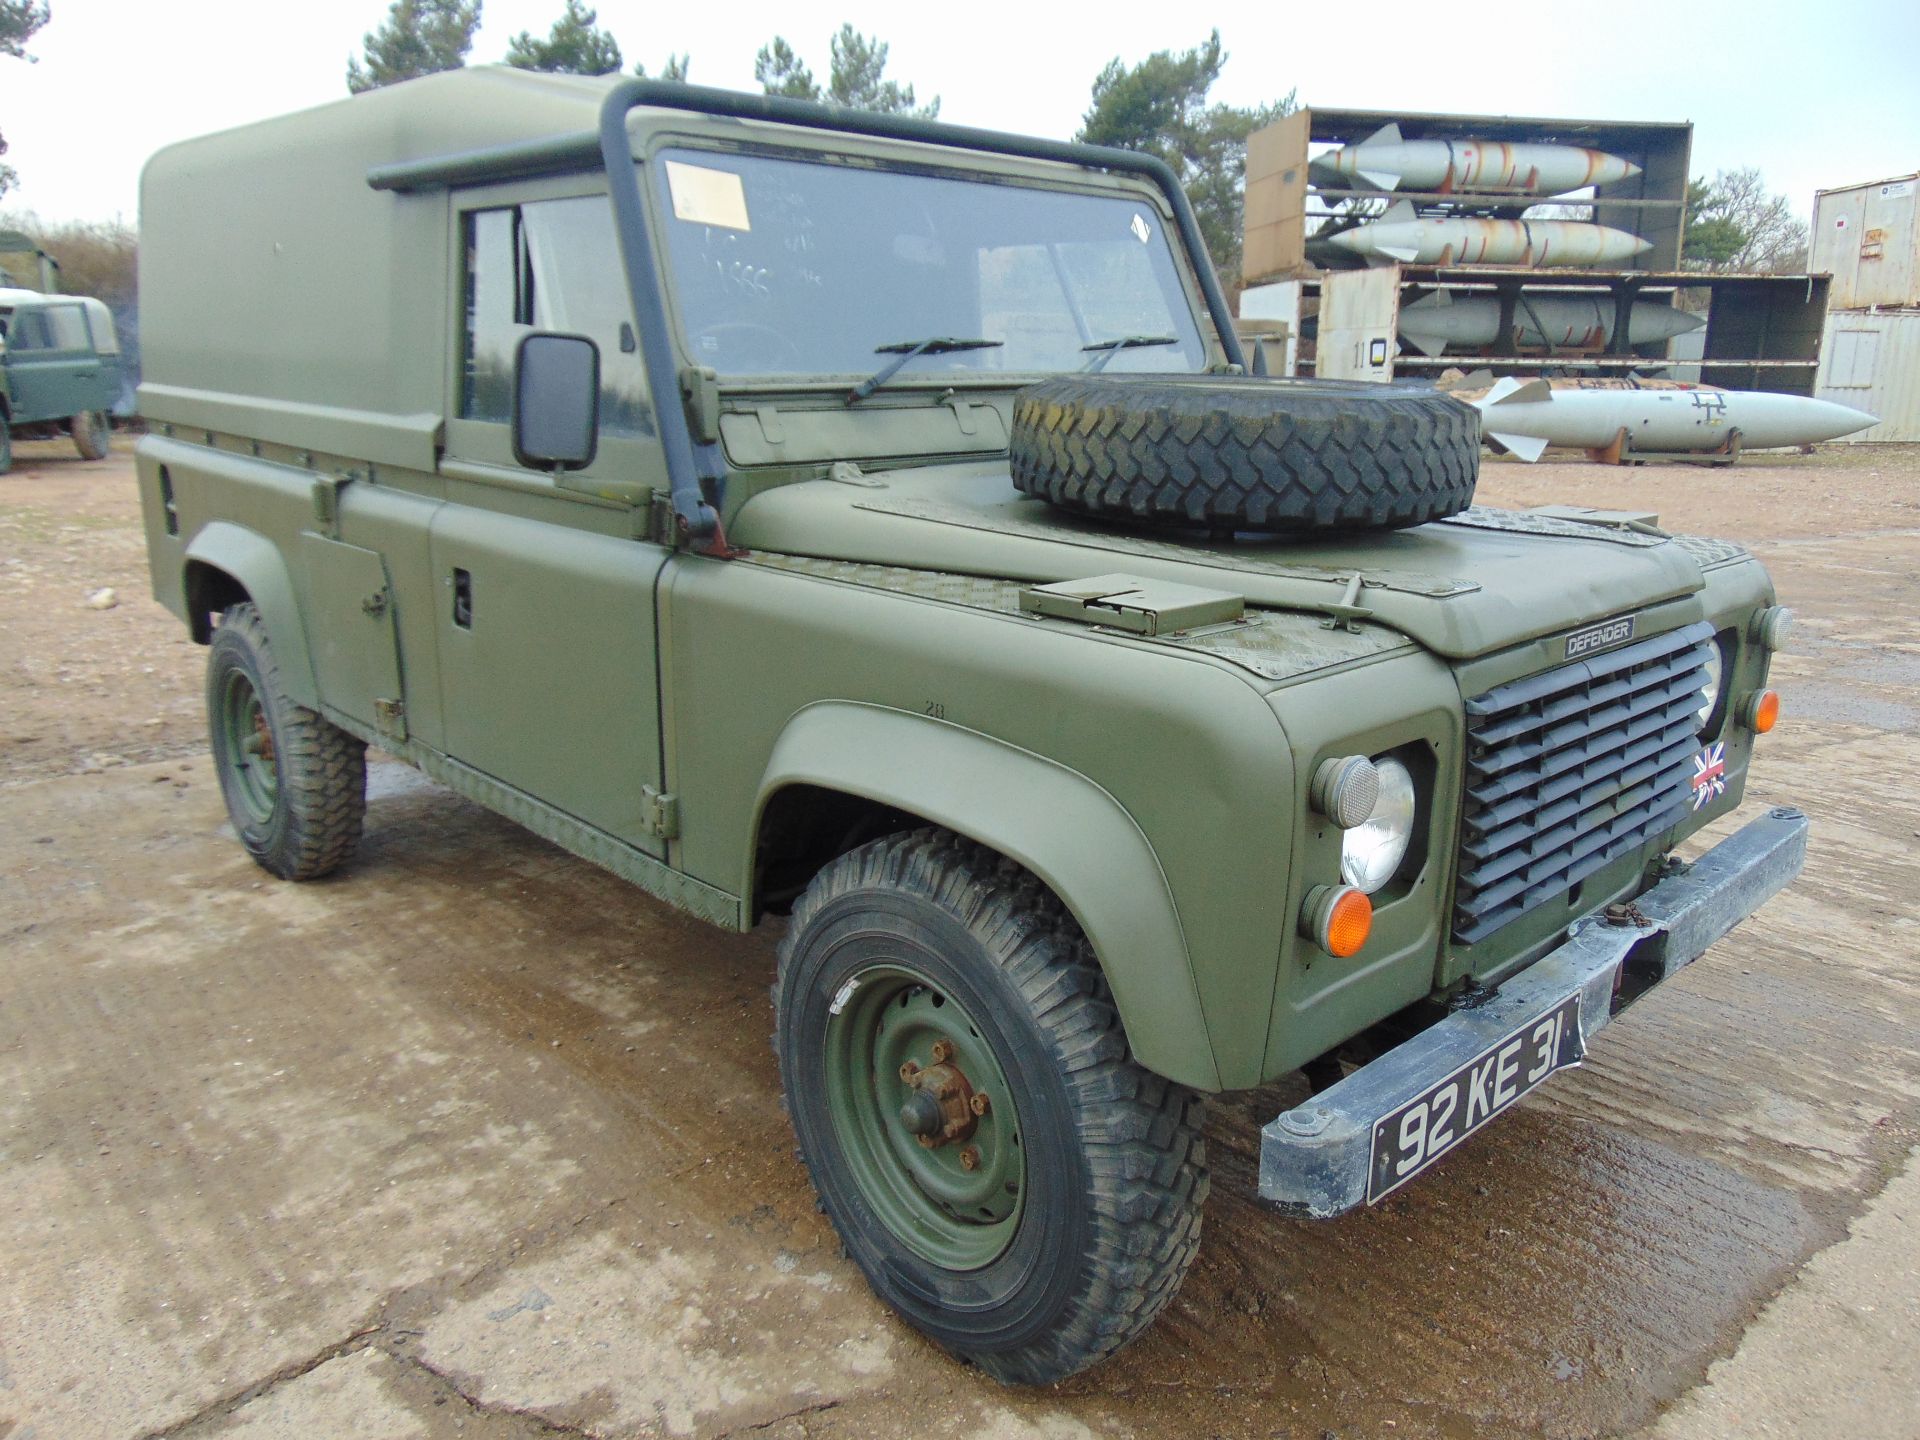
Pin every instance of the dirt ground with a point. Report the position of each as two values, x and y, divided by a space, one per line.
473 1139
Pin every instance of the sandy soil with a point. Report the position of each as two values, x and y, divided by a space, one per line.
474 1139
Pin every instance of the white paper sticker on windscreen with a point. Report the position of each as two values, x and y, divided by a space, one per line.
707 197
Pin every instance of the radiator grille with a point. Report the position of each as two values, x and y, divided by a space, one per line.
1572 768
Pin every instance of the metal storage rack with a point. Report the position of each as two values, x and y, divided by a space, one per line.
1763 331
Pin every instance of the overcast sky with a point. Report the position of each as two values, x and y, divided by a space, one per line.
1816 95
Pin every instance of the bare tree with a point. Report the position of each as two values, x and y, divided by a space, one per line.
1733 223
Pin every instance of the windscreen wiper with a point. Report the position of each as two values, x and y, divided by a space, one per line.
1111 348
907 350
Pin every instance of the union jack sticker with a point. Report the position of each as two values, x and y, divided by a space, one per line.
1710 774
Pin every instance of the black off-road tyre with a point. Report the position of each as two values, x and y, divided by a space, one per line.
1112 1168
295 783
6 446
1224 453
92 434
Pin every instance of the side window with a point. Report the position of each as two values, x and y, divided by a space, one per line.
68 326
28 331
580 287
549 265
494 316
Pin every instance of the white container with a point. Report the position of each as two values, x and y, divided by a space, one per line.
1867 238
1870 359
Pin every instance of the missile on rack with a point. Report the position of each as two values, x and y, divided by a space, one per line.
1556 322
1523 417
1402 235
1448 167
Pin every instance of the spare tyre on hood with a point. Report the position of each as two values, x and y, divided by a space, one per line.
1226 453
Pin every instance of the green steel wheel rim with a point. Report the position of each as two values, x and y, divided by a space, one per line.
247 750
955 1214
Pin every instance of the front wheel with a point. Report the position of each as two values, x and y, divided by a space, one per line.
996 1163
295 784
92 434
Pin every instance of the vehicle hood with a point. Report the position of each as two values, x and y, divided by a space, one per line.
1462 587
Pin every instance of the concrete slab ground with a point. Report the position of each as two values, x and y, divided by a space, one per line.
473 1139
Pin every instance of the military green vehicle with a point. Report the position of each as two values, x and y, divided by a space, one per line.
59 371
865 521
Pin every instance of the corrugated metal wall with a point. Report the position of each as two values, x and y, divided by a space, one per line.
1870 359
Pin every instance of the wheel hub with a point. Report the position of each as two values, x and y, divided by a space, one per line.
944 1106
925 1117
250 760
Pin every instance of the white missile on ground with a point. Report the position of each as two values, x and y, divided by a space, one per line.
1448 167
1402 235
1558 322
1612 422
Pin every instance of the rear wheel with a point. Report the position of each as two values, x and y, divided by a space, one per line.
92 434
1004 1173
295 784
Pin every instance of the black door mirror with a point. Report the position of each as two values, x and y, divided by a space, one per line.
556 401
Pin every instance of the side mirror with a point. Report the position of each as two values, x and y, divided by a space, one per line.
556 401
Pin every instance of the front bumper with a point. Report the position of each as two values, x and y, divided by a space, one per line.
1317 1160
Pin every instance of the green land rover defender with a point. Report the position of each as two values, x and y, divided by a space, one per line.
870 522
59 371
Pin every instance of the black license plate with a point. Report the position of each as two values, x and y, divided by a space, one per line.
1431 1126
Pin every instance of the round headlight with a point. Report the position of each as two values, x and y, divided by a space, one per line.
1710 691
1371 851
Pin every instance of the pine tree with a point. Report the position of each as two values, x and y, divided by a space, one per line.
1160 106
674 69
780 72
575 46
19 21
420 37
859 61
855 78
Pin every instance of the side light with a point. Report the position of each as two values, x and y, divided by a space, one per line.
1760 711
1345 790
1337 918
1772 626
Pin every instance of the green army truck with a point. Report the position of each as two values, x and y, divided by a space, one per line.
869 522
59 371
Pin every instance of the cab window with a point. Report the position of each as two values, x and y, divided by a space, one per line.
548 265
67 327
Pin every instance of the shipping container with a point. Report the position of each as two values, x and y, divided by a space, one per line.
1870 359
1867 238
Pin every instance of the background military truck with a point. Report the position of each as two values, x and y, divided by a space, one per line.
859 519
59 371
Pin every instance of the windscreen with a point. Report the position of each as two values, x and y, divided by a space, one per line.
784 266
